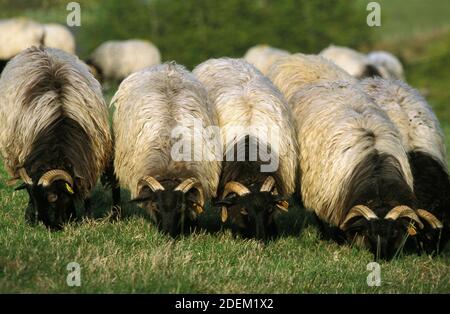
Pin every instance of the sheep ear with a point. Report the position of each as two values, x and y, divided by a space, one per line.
357 224
21 187
144 196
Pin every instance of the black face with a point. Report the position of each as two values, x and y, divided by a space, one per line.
253 214
54 204
172 211
384 237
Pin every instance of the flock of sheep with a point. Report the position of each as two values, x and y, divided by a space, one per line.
360 148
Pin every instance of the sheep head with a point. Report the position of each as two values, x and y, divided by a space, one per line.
173 210
52 198
252 212
433 236
384 237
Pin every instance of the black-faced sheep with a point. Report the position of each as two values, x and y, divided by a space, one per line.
263 56
260 150
115 60
355 174
352 61
154 107
54 131
423 140
388 64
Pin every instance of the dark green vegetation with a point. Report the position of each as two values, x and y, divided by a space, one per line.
131 256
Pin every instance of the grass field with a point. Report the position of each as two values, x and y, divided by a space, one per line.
131 256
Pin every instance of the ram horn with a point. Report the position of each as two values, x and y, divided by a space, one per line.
430 218
53 175
355 211
152 183
24 176
191 183
235 187
268 184
403 211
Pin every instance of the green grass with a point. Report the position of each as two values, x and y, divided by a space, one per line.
131 256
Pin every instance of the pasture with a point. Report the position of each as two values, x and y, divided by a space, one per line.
130 255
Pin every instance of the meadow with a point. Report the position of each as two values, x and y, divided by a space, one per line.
130 255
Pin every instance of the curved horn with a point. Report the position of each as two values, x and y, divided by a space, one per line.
190 183
50 176
355 211
430 218
235 187
403 211
25 177
152 183
268 184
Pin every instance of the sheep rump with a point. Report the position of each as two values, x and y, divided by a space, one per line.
155 101
46 96
118 59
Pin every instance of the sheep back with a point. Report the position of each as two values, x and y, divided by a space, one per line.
40 87
149 105
244 98
338 128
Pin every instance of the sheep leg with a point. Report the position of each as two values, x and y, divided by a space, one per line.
116 209
88 208
30 214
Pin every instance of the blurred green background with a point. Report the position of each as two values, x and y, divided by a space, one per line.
191 31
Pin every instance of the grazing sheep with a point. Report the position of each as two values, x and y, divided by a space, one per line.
16 35
251 112
151 105
115 60
263 56
54 131
58 36
355 174
295 71
355 63
390 67
423 140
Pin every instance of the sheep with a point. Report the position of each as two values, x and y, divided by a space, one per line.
58 36
154 107
54 132
390 67
18 34
251 111
295 71
355 63
423 140
355 174
263 56
115 60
